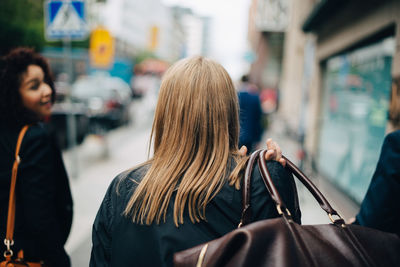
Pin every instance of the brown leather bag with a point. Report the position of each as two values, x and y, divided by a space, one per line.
282 242
8 241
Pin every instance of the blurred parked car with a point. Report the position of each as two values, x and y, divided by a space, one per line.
59 122
59 117
107 99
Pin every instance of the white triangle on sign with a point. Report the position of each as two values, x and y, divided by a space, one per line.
67 20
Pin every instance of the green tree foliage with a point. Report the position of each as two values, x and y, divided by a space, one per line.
22 24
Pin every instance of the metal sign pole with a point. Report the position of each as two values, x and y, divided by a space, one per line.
65 20
71 120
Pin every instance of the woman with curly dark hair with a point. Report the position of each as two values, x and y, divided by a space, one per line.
43 213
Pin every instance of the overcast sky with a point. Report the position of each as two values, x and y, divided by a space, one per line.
228 37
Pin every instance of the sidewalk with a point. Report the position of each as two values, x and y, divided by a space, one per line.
99 160
311 211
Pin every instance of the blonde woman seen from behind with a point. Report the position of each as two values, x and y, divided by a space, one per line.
189 192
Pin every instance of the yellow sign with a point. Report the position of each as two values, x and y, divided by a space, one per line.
153 38
101 48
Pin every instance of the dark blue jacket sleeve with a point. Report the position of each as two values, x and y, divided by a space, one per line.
380 207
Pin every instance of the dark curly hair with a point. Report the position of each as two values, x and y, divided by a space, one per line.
12 68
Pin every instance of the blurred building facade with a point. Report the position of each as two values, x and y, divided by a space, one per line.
169 32
139 30
268 20
141 25
196 32
339 84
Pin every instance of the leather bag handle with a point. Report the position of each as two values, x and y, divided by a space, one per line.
8 241
246 189
324 204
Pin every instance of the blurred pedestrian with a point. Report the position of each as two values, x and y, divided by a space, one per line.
188 192
250 114
380 207
43 198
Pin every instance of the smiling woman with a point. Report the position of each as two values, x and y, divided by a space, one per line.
43 212
35 93
26 87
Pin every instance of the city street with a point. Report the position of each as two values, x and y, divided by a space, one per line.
321 78
99 160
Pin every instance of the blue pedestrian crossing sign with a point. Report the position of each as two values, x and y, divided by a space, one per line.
65 19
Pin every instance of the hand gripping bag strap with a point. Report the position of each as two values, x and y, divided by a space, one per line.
11 202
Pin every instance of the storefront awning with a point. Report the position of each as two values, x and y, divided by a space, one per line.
321 13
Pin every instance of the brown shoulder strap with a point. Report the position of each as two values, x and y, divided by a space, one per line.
11 203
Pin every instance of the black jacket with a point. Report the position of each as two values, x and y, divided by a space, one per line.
117 241
43 197
380 207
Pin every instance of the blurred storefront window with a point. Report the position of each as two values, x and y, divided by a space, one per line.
355 107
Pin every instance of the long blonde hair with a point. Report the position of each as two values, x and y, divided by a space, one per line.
195 131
